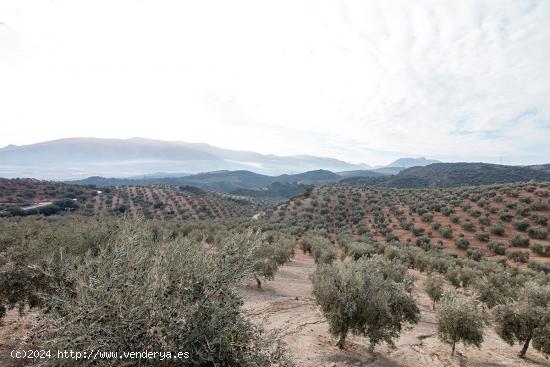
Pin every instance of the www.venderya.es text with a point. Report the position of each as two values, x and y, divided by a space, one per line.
96 354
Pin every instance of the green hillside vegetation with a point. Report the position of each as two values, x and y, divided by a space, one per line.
454 174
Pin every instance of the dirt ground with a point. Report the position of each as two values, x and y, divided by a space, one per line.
12 330
287 304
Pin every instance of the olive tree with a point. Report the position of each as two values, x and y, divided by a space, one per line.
322 250
526 319
369 297
460 319
495 288
179 296
434 288
272 250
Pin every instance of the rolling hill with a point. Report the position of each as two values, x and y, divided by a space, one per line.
220 180
453 174
22 197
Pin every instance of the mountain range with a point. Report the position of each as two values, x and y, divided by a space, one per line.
76 158
430 176
227 181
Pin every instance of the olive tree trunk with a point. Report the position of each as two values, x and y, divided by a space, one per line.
342 341
525 347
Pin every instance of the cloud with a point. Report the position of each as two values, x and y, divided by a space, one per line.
360 80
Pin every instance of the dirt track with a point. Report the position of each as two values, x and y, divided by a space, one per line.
287 303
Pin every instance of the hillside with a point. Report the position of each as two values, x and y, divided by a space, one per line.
84 157
361 173
226 181
275 192
21 197
453 174
495 221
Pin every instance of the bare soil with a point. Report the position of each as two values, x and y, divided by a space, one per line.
287 304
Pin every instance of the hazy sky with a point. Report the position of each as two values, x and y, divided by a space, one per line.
363 81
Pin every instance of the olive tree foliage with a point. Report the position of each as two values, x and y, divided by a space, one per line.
139 294
527 319
272 250
357 250
434 287
319 247
28 245
496 287
460 319
369 297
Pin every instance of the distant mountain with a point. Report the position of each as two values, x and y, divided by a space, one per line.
412 162
227 181
84 157
360 173
385 171
310 177
375 172
275 192
454 174
542 167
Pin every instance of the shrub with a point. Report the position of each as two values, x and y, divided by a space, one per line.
423 241
446 232
482 236
540 220
427 217
522 210
455 218
540 249
526 319
496 247
462 243
159 205
519 240
517 256
520 224
468 226
475 254
418 231
506 217
356 299
484 220
538 233
497 229
459 319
